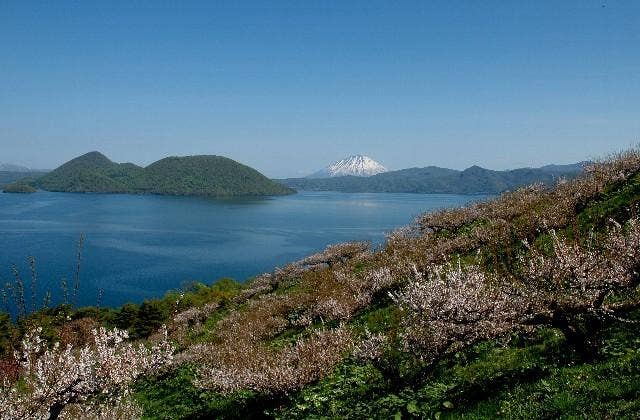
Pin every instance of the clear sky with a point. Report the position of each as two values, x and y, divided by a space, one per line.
288 87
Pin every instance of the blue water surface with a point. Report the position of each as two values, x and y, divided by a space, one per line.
139 247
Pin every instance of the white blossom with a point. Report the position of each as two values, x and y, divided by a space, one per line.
53 378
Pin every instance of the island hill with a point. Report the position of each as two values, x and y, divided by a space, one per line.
19 187
205 175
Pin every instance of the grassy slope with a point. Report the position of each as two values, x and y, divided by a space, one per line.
538 376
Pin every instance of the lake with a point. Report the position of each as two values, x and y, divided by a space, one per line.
139 247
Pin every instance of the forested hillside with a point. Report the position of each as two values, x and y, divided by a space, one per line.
9 177
432 179
19 187
189 175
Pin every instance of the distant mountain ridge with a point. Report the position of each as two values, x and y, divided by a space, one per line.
8 177
205 175
10 167
432 179
355 165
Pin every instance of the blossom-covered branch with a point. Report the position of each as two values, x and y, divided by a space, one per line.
53 378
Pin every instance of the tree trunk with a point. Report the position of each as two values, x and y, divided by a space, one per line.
581 332
55 410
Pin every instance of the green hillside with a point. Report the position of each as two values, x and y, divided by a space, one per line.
8 177
525 306
190 175
92 172
19 187
205 175
435 180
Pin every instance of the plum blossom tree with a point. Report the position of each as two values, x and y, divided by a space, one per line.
94 378
451 306
273 372
572 287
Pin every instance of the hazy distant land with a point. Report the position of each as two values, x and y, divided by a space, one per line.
436 180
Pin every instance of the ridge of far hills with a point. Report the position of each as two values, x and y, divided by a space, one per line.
11 167
8 177
436 180
202 175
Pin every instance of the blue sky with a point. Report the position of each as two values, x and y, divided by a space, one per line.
288 87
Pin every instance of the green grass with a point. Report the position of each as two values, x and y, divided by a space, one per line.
618 202
537 377
175 397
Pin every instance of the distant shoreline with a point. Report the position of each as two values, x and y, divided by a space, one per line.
435 180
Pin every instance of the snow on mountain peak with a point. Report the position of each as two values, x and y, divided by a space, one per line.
356 165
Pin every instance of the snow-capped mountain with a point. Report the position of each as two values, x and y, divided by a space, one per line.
357 165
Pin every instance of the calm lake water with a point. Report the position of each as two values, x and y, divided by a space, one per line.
139 247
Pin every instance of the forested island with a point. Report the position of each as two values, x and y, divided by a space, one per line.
524 306
204 175
9 177
19 188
